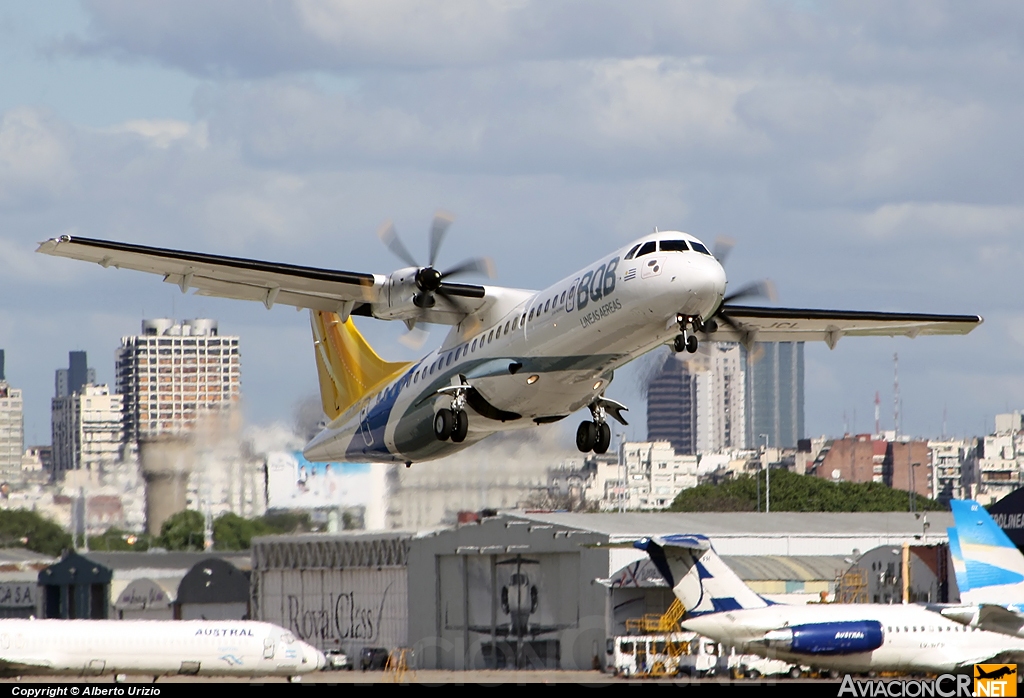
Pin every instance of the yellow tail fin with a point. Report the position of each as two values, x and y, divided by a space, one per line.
347 366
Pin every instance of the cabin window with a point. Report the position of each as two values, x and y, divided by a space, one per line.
648 248
522 320
416 377
531 314
458 353
629 255
490 336
473 348
515 323
561 301
448 361
546 306
506 328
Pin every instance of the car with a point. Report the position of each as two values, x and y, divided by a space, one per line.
337 661
373 658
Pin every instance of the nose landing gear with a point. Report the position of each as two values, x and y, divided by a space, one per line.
687 340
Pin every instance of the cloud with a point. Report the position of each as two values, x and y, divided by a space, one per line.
35 161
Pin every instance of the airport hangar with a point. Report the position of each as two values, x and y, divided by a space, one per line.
545 590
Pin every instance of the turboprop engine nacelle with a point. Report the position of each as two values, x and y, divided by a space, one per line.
827 638
401 298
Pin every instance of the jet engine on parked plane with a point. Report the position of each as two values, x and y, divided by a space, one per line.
827 638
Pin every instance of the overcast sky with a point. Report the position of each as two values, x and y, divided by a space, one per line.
863 155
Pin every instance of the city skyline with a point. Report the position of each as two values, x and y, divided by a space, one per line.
860 158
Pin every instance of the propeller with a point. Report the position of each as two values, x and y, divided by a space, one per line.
429 281
764 288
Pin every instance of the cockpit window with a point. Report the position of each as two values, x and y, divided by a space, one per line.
648 248
674 246
629 255
700 248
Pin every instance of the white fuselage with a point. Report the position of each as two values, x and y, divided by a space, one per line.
152 648
915 639
569 339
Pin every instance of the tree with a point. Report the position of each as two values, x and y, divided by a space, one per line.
20 528
232 532
183 531
120 540
793 492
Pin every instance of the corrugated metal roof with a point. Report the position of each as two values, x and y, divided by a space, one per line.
747 523
788 568
164 560
749 568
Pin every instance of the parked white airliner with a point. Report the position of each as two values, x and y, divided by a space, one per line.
514 358
152 648
853 638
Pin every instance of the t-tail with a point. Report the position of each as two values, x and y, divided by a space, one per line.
347 366
701 581
993 566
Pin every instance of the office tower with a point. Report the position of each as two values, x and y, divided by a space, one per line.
672 406
171 375
70 380
721 396
775 395
12 432
87 430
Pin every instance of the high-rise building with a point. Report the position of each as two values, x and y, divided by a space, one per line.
775 395
72 379
87 431
721 397
672 406
172 375
12 432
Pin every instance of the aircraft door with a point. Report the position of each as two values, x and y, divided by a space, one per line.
268 648
364 426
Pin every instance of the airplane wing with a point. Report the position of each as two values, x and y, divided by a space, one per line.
987 616
270 283
764 324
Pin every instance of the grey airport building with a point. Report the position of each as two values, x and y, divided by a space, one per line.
547 590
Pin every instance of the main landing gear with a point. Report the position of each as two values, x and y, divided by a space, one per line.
686 340
596 436
452 423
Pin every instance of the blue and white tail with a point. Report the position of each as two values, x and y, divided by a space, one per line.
959 566
993 567
702 582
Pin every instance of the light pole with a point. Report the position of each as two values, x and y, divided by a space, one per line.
767 478
913 493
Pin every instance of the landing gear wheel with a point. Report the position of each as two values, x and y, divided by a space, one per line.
679 344
443 424
586 437
691 343
461 426
604 438
795 673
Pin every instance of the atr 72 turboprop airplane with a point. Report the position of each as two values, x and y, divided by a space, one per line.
513 358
